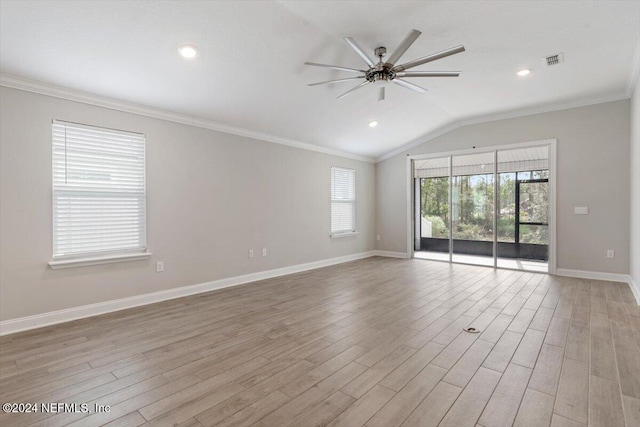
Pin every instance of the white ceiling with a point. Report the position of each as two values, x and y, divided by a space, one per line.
250 71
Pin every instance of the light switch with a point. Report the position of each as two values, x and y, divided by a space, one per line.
581 210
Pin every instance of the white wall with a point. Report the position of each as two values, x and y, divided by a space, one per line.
592 170
210 197
635 189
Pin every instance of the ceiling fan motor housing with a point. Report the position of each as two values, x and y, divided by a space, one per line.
381 71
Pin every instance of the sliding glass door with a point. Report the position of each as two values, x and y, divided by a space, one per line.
489 208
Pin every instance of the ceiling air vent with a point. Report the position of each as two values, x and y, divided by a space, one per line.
553 59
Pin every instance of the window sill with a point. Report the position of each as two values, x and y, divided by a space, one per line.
106 259
344 234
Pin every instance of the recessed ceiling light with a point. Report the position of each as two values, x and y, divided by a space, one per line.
188 51
373 124
524 72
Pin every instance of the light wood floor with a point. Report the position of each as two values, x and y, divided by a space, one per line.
377 342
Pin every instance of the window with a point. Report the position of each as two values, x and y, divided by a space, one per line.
343 201
98 192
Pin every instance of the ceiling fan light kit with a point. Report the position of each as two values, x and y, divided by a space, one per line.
387 71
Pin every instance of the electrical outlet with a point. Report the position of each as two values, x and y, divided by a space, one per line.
377 237
264 251
610 253
159 266
250 253
581 210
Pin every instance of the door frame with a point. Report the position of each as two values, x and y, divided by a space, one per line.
410 189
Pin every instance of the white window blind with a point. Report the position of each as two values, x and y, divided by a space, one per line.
343 200
98 190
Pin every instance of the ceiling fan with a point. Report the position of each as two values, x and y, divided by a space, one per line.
387 71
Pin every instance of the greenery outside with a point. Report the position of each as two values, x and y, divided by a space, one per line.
473 207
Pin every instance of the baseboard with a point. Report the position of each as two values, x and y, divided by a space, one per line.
635 289
60 316
596 275
390 254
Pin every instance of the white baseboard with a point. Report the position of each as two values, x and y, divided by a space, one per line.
596 275
60 316
635 289
389 254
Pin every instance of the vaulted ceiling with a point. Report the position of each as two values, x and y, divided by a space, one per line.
249 72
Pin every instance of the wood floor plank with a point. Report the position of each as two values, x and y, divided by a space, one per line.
303 383
628 361
493 333
557 331
195 405
256 392
572 400
406 400
364 408
503 406
542 319
254 412
631 410
131 420
535 410
372 376
193 394
527 353
546 373
605 403
501 354
603 359
454 351
578 342
434 407
467 366
521 321
284 415
409 369
325 412
138 402
467 408
560 421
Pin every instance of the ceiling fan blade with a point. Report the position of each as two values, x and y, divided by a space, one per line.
381 94
408 85
402 47
336 81
366 82
351 42
429 58
428 73
335 67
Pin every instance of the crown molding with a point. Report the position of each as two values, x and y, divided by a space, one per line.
635 70
512 114
55 91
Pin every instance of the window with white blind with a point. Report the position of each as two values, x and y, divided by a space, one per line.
98 192
343 201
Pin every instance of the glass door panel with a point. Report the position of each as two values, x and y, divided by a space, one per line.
532 227
432 210
523 213
472 214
